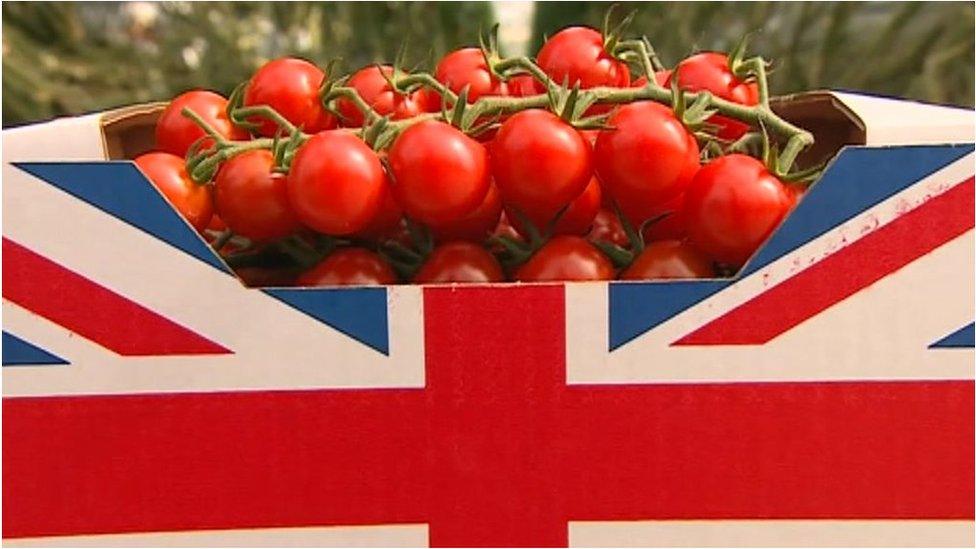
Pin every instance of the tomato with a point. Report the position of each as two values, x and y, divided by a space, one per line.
175 132
566 257
440 175
349 267
252 199
661 77
668 259
459 261
607 228
168 173
524 85
373 87
291 87
647 159
386 223
540 163
672 227
710 71
505 228
732 206
577 218
336 183
477 225
576 55
467 67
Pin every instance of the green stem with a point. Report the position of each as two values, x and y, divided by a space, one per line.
369 113
426 80
204 125
265 111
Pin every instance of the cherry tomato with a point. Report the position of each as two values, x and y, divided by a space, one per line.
607 228
648 158
732 206
577 218
386 223
291 87
661 77
459 261
540 163
349 267
168 173
672 227
477 225
336 183
566 257
440 175
252 199
710 71
467 67
524 85
668 259
373 87
175 132
576 55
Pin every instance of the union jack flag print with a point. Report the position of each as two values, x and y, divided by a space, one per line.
823 394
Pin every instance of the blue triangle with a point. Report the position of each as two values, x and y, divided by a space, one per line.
360 313
120 189
636 307
17 352
964 337
857 179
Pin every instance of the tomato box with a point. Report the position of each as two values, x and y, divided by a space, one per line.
822 395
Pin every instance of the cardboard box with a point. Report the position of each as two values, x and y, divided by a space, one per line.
823 396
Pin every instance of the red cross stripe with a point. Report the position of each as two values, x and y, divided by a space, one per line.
497 450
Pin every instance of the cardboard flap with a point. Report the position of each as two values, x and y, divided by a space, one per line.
832 123
130 131
892 121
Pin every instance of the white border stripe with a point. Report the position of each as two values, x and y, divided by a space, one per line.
773 533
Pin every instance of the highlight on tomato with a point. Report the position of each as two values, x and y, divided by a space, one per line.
373 85
460 262
252 198
176 132
349 267
168 173
566 257
291 87
710 71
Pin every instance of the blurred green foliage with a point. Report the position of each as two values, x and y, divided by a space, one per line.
68 58
920 50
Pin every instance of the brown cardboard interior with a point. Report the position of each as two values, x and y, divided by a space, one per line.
130 131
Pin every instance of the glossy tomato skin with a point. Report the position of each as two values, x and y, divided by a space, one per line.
175 132
566 257
672 227
669 259
336 183
467 67
732 206
576 55
252 199
524 85
168 173
477 225
648 158
291 87
349 267
459 261
540 163
386 223
577 218
710 71
439 174
372 85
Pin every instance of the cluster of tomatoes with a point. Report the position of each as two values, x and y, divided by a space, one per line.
533 199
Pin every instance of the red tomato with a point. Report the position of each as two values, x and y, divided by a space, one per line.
336 183
540 163
175 132
524 85
648 158
505 228
386 222
291 87
459 261
672 227
216 224
566 257
349 267
168 173
576 54
607 228
252 199
732 206
477 225
376 91
467 67
440 175
577 218
668 259
661 77
710 71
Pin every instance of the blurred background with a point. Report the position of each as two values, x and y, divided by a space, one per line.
70 58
